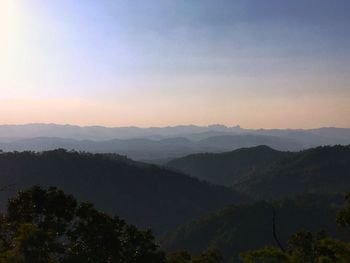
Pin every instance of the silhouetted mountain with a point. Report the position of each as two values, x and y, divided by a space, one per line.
319 170
245 227
241 141
264 173
146 195
307 138
147 149
97 133
230 167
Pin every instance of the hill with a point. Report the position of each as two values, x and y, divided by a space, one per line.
263 173
244 227
145 149
227 168
306 137
145 195
318 170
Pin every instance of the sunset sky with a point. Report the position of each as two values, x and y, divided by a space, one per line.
260 64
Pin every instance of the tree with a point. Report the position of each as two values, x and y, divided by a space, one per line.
265 255
343 216
304 247
209 256
307 247
179 257
49 226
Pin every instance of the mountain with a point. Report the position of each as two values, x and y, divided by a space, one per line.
319 170
230 167
139 149
145 195
264 173
149 149
98 133
239 228
308 138
231 142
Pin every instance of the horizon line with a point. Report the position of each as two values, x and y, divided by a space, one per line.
237 126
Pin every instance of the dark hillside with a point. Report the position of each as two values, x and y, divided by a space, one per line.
230 167
143 194
318 170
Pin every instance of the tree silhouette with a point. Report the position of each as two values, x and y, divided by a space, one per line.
49 226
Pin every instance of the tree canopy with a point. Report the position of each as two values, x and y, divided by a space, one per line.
49 226
307 247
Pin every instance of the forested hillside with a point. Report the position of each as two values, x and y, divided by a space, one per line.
263 173
230 167
188 213
145 195
318 170
150 149
245 227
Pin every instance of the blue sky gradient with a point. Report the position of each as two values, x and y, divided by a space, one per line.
256 63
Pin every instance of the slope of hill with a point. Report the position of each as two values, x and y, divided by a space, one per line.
145 195
230 142
264 173
240 228
230 167
147 149
318 170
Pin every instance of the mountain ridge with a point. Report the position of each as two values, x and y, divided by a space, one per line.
150 149
144 194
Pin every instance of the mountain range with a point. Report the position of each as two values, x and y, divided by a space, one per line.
264 173
159 145
146 195
149 149
304 188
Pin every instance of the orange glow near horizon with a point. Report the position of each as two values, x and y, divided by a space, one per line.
97 63
278 114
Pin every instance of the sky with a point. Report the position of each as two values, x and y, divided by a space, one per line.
259 64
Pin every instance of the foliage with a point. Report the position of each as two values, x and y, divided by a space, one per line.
304 247
145 195
343 216
208 256
263 173
49 226
230 167
307 247
238 228
317 170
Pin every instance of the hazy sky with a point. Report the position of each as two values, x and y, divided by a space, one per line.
261 63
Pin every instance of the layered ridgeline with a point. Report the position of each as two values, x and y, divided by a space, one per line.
235 229
310 137
160 144
318 170
230 167
145 195
154 150
264 173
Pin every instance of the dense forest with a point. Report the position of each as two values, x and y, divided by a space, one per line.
264 173
145 195
239 228
319 170
272 207
49 226
230 167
